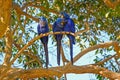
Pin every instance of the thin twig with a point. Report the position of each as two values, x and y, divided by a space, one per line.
105 60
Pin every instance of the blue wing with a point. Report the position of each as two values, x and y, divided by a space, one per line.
44 39
57 27
69 27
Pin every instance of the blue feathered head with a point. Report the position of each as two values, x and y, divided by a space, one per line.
65 15
42 18
42 21
59 22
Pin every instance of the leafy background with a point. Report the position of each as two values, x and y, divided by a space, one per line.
103 21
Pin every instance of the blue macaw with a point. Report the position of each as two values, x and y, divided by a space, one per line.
43 28
57 27
69 27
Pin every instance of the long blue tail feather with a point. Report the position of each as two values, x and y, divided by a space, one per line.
46 54
58 51
71 51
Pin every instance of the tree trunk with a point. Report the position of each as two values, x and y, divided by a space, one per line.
5 19
5 14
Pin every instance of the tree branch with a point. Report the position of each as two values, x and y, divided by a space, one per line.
30 54
5 16
19 11
101 45
8 48
59 71
33 4
111 4
31 41
63 56
105 60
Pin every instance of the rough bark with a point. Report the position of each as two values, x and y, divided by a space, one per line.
12 73
8 48
5 14
111 4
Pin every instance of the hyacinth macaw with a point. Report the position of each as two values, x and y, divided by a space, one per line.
43 28
58 27
69 27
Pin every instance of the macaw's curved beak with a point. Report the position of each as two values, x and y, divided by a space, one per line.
61 15
62 23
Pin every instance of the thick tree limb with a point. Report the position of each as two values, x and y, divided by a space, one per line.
112 4
59 71
8 48
5 16
5 71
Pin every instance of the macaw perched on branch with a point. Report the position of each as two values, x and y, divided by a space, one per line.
69 27
58 27
41 29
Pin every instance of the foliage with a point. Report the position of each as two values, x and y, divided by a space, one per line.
104 25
